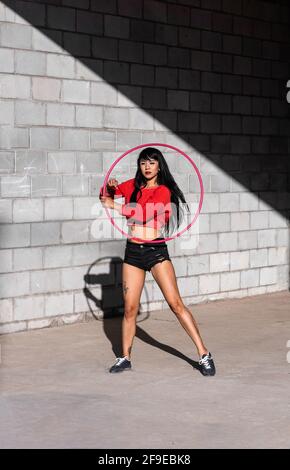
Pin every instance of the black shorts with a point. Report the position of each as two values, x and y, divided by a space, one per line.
145 255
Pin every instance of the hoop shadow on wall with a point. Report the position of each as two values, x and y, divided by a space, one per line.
111 315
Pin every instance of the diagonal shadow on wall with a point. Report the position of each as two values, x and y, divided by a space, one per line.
214 73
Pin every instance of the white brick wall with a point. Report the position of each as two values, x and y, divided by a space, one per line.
96 85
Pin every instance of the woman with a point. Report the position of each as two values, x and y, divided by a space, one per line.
150 198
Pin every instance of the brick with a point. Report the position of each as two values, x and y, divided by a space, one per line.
45 185
188 122
259 219
44 138
57 256
258 258
222 63
166 77
127 140
104 6
229 202
75 232
116 72
29 113
187 286
5 261
58 304
16 35
103 94
220 183
210 123
210 82
85 207
15 186
45 233
189 79
89 22
200 19
129 96
77 44
232 44
178 100
230 281
228 241
239 260
60 66
14 284
166 34
222 104
247 240
240 221
45 281
208 243
58 208
103 140
47 40
89 69
30 63
178 57
278 255
211 41
13 86
61 162
155 11
219 222
25 259
131 8
268 276
142 74
154 98
46 89
72 278
27 210
250 278
209 283
60 115
76 91
74 139
222 22
116 27
29 307
76 185
7 161
198 264
6 311
178 14
266 238
116 118
6 60
219 262
140 120
88 162
133 52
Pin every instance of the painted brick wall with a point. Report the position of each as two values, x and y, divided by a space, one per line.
81 84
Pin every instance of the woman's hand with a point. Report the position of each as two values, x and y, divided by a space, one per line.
107 201
112 183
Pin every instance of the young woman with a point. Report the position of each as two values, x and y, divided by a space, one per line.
152 208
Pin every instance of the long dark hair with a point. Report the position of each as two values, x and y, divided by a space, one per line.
163 177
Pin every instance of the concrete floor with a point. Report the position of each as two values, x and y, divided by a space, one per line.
56 391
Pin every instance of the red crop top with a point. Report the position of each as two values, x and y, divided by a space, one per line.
153 208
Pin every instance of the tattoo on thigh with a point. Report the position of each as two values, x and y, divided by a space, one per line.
125 288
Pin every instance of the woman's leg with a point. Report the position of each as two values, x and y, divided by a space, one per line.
133 282
164 275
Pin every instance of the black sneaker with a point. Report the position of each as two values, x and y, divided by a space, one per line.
121 364
206 363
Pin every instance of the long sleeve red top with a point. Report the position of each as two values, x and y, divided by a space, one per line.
153 208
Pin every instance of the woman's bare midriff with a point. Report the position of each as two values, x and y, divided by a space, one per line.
143 232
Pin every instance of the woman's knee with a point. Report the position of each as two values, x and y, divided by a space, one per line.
177 306
130 311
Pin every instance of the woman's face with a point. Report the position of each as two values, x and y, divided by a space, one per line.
149 168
